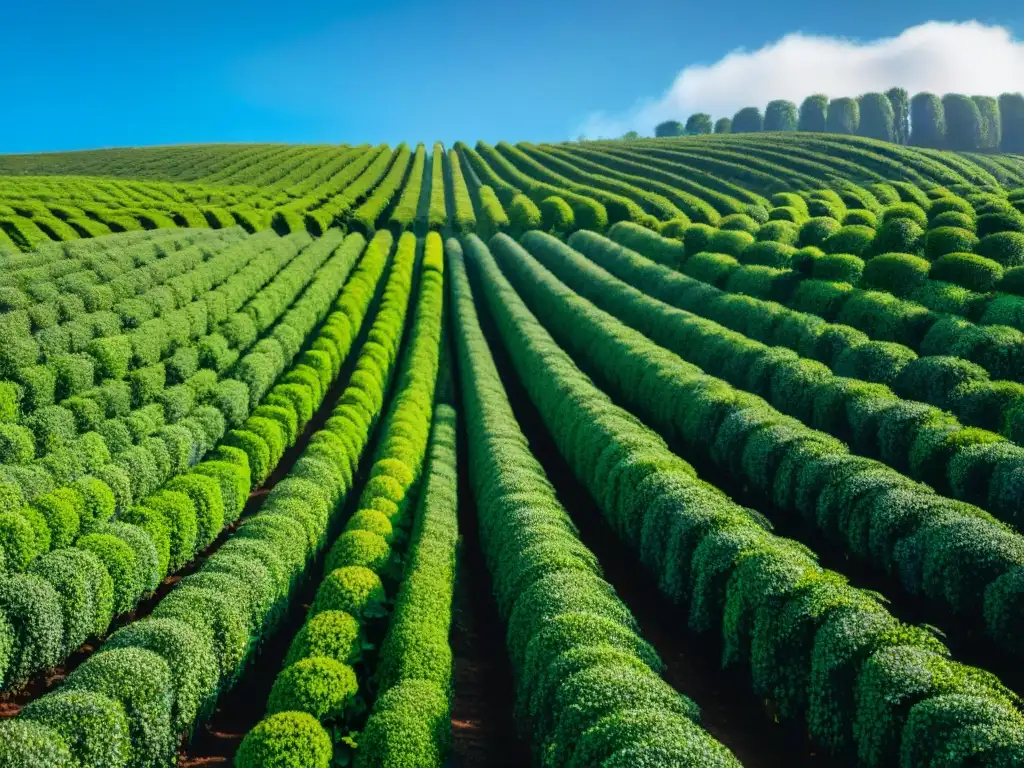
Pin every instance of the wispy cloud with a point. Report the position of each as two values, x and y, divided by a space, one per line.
942 57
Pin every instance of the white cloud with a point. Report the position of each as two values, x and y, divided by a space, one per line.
942 57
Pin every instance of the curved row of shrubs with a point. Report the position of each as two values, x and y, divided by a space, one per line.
404 215
919 440
704 207
463 216
338 207
943 376
154 680
655 204
823 652
587 211
588 686
364 565
366 215
949 551
432 213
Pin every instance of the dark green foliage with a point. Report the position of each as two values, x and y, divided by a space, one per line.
928 121
813 113
190 661
844 267
818 230
25 744
965 130
942 240
877 118
723 125
747 120
898 273
967 269
556 215
699 123
899 235
32 608
843 116
780 116
92 725
855 239
1011 110
141 682
900 101
1006 248
669 128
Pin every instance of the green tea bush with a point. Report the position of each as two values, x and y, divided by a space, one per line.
32 608
323 687
190 661
556 215
739 222
93 726
968 270
1003 221
855 239
840 267
954 219
729 242
899 235
140 681
860 217
356 590
1006 248
942 240
898 273
286 740
711 268
25 744
768 254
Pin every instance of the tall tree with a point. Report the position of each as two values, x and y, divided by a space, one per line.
668 128
813 113
780 115
699 122
748 120
723 125
964 131
630 136
900 100
877 120
991 125
843 116
927 121
1011 112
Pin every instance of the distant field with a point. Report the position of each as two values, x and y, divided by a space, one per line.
697 451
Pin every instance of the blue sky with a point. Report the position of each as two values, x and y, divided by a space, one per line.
78 75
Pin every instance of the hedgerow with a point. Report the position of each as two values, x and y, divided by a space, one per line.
325 687
527 535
